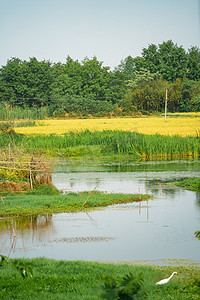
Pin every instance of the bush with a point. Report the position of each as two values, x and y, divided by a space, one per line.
6 127
129 288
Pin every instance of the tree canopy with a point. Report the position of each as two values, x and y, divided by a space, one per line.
136 84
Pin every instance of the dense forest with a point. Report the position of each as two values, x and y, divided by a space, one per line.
73 88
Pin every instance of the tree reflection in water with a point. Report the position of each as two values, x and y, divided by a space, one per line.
23 228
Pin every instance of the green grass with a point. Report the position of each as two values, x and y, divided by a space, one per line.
37 202
76 280
106 143
189 183
18 112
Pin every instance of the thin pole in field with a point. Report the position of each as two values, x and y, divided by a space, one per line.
89 195
2 200
30 176
165 104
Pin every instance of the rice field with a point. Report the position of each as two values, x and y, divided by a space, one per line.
182 125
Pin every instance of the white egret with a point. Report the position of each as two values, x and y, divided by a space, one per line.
163 281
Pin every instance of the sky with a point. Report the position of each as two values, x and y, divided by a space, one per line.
111 30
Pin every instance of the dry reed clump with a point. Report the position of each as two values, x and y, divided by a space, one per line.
20 171
14 187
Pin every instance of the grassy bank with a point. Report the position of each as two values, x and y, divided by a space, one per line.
105 144
38 202
192 184
50 279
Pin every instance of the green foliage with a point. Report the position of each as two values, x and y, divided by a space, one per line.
130 287
195 102
3 260
80 107
79 280
6 127
39 203
107 143
197 234
37 89
44 189
26 82
168 59
27 123
23 268
189 96
17 112
193 63
189 183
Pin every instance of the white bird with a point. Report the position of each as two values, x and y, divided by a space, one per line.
163 281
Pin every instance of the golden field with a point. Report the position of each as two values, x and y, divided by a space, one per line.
183 125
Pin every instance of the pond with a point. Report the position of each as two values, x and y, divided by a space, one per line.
155 230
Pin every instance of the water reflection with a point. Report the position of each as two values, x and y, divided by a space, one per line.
24 224
123 176
198 199
23 229
162 228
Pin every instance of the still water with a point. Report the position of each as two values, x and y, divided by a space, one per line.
160 229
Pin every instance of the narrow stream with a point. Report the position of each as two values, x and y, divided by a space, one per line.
160 229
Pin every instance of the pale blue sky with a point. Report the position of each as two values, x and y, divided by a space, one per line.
108 29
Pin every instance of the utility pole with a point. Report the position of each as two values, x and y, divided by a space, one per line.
166 105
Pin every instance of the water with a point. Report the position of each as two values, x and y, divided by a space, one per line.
160 229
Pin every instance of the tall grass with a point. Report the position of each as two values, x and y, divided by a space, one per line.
17 112
107 143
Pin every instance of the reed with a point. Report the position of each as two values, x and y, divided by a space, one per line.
17 112
107 143
20 170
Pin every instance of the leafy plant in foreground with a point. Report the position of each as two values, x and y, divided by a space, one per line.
197 234
3 260
129 288
24 269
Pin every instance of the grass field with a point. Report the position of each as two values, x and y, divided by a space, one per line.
47 201
181 124
50 279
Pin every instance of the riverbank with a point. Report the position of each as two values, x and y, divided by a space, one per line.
42 278
47 200
192 184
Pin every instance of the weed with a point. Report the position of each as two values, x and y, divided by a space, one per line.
130 287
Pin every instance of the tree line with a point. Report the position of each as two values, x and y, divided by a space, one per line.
88 87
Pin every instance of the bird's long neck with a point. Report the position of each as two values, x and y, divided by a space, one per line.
171 275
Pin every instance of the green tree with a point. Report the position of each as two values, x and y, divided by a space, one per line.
130 65
190 94
12 87
174 95
38 80
193 63
95 79
26 82
145 93
167 59
151 58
